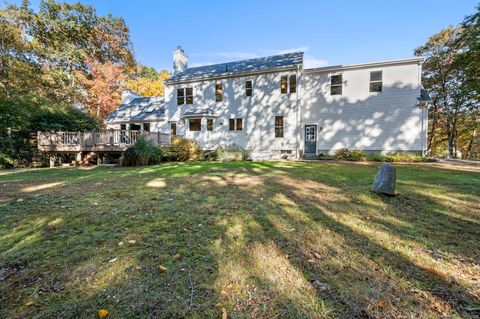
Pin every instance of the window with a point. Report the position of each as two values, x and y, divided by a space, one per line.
180 96
123 127
293 83
248 88
239 124
376 81
278 126
189 95
218 92
146 127
209 124
283 84
235 124
336 84
173 129
195 125
286 81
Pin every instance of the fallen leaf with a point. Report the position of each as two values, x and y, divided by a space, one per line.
177 256
224 313
113 260
163 269
381 303
120 243
131 241
311 261
29 303
102 313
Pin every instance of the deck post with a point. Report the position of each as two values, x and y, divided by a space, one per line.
52 161
99 159
78 157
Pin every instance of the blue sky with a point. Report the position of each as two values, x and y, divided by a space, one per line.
330 32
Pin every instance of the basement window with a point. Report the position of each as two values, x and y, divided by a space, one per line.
336 84
376 81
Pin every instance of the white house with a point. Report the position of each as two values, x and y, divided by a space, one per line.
274 107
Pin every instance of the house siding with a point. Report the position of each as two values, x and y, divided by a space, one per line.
384 121
258 113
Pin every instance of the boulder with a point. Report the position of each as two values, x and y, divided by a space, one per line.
385 180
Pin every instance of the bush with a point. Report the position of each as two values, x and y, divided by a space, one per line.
345 154
229 154
142 153
185 149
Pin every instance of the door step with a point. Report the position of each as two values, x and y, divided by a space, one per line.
310 156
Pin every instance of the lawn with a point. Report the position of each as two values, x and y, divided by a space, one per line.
250 240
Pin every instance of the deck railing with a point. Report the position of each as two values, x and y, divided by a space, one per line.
97 139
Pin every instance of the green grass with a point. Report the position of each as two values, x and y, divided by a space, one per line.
258 240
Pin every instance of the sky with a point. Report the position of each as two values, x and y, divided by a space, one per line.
329 32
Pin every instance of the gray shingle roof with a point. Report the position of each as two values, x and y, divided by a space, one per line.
199 112
141 109
245 66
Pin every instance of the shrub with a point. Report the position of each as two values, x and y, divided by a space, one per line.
345 154
185 149
357 155
228 154
142 153
342 154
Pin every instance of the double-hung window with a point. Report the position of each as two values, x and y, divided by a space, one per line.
248 88
278 126
336 84
180 96
218 92
376 81
288 84
235 124
184 96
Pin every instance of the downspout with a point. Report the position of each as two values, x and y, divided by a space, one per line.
299 110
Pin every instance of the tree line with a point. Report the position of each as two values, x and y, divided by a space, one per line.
62 67
451 75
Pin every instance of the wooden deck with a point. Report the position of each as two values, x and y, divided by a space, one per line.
100 141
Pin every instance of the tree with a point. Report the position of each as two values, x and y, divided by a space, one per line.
147 81
103 87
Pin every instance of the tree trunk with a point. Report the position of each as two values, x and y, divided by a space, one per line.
449 135
431 136
468 152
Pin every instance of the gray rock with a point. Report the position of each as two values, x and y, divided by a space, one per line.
385 180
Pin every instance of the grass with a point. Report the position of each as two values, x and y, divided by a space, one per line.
256 240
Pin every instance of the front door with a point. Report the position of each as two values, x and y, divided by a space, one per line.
310 139
173 129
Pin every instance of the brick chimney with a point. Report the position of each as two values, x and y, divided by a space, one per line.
180 60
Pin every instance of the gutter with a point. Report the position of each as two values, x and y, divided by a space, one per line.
418 60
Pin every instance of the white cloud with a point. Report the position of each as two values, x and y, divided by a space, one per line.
312 62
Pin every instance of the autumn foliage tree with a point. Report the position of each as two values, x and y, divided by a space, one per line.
451 74
147 81
103 86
